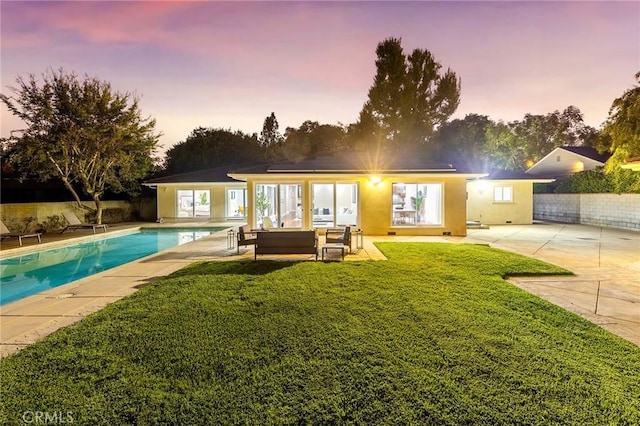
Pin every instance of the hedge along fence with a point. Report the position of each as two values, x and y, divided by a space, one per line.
607 210
21 217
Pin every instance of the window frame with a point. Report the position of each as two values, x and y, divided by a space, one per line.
502 199
412 221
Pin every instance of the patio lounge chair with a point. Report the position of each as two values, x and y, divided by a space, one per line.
74 223
246 237
339 235
5 233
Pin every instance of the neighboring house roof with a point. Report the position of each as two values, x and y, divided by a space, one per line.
353 163
589 152
567 160
632 164
216 174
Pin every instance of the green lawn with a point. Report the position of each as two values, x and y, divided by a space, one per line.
434 335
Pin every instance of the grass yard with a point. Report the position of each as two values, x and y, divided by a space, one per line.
434 335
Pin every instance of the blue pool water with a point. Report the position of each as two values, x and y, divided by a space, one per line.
22 276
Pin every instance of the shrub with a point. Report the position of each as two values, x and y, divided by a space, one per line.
589 181
115 215
53 223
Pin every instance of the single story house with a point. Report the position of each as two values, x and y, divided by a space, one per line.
390 196
205 194
382 196
503 197
567 160
399 196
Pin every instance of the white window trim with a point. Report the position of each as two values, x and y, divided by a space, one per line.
502 188
424 225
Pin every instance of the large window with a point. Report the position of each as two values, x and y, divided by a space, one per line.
236 203
278 205
417 204
193 203
334 204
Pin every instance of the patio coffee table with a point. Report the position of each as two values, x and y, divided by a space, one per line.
332 246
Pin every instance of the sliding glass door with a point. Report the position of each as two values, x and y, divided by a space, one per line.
278 205
193 203
334 204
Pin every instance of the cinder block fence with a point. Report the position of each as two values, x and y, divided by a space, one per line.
608 210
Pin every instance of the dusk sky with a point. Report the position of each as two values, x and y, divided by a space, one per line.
230 64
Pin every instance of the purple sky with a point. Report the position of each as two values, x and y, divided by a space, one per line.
230 64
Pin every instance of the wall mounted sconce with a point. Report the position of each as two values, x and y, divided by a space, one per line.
375 180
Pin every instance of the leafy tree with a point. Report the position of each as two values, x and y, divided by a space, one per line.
538 135
503 150
207 148
81 131
464 142
313 138
270 138
621 132
519 144
409 99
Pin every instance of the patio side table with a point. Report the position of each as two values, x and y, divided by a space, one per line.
333 246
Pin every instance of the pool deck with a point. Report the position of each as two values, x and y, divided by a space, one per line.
605 289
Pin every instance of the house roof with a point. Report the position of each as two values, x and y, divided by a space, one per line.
587 151
580 156
353 163
216 174
632 164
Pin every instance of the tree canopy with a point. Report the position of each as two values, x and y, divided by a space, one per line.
409 99
206 148
621 136
519 144
621 132
464 142
82 131
313 138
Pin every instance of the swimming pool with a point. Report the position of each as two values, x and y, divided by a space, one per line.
25 275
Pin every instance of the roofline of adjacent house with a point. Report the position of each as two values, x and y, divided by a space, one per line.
554 150
632 164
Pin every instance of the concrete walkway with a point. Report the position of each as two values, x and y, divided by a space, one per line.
605 290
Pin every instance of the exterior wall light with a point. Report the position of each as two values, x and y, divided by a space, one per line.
375 180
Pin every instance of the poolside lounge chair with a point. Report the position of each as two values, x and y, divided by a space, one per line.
5 233
339 235
74 223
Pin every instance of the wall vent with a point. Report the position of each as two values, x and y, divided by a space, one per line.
446 233
391 233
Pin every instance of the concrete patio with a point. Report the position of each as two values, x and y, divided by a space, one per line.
605 289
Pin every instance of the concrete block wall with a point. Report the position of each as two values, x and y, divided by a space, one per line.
18 215
608 210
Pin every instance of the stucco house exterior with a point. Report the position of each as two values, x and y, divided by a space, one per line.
203 195
382 196
503 197
391 196
567 160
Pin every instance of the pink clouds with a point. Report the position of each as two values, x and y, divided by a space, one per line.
315 60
